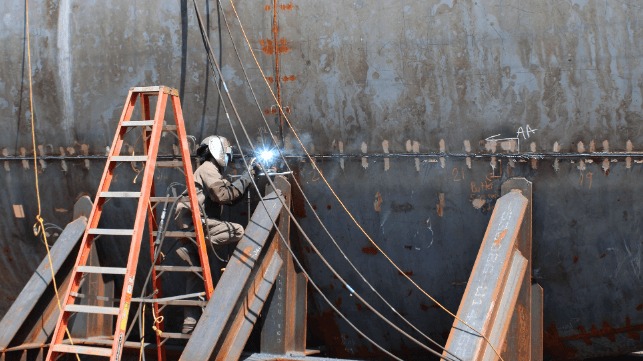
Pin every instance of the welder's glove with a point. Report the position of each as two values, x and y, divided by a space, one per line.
244 181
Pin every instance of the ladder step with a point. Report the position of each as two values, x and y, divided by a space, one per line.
173 335
178 268
85 350
111 231
120 194
92 309
170 128
182 303
138 123
163 199
129 158
169 164
153 90
177 234
102 270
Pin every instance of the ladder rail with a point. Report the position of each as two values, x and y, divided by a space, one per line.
139 226
86 243
145 212
194 205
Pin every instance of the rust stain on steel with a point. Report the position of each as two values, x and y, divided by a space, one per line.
440 206
606 331
555 346
377 204
408 273
272 47
245 255
500 237
369 250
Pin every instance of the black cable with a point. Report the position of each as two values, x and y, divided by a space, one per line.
218 71
309 203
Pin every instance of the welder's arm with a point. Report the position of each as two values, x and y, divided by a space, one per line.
243 182
219 189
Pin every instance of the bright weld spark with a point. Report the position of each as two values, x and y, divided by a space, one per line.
266 155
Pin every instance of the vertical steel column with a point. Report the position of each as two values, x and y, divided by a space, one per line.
518 343
278 335
537 325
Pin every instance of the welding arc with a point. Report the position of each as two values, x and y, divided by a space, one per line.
297 183
348 212
218 72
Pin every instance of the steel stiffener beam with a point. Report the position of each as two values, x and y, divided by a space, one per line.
40 281
252 304
228 291
488 281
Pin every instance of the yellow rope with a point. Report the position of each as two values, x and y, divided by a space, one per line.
39 226
313 163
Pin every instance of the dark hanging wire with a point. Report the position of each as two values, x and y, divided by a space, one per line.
217 71
334 241
347 210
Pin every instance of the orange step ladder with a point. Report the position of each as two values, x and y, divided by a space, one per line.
152 129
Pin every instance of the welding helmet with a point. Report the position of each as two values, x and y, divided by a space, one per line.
219 147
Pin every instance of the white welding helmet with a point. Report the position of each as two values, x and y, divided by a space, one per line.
219 147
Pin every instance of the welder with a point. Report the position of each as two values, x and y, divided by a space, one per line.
213 191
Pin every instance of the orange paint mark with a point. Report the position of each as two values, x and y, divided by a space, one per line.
287 78
408 273
270 79
287 7
267 7
369 250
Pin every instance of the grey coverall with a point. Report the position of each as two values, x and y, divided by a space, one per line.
213 191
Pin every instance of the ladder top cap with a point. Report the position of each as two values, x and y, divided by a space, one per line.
154 89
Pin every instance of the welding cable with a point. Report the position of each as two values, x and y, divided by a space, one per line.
352 217
213 61
157 254
352 292
297 183
206 43
39 227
